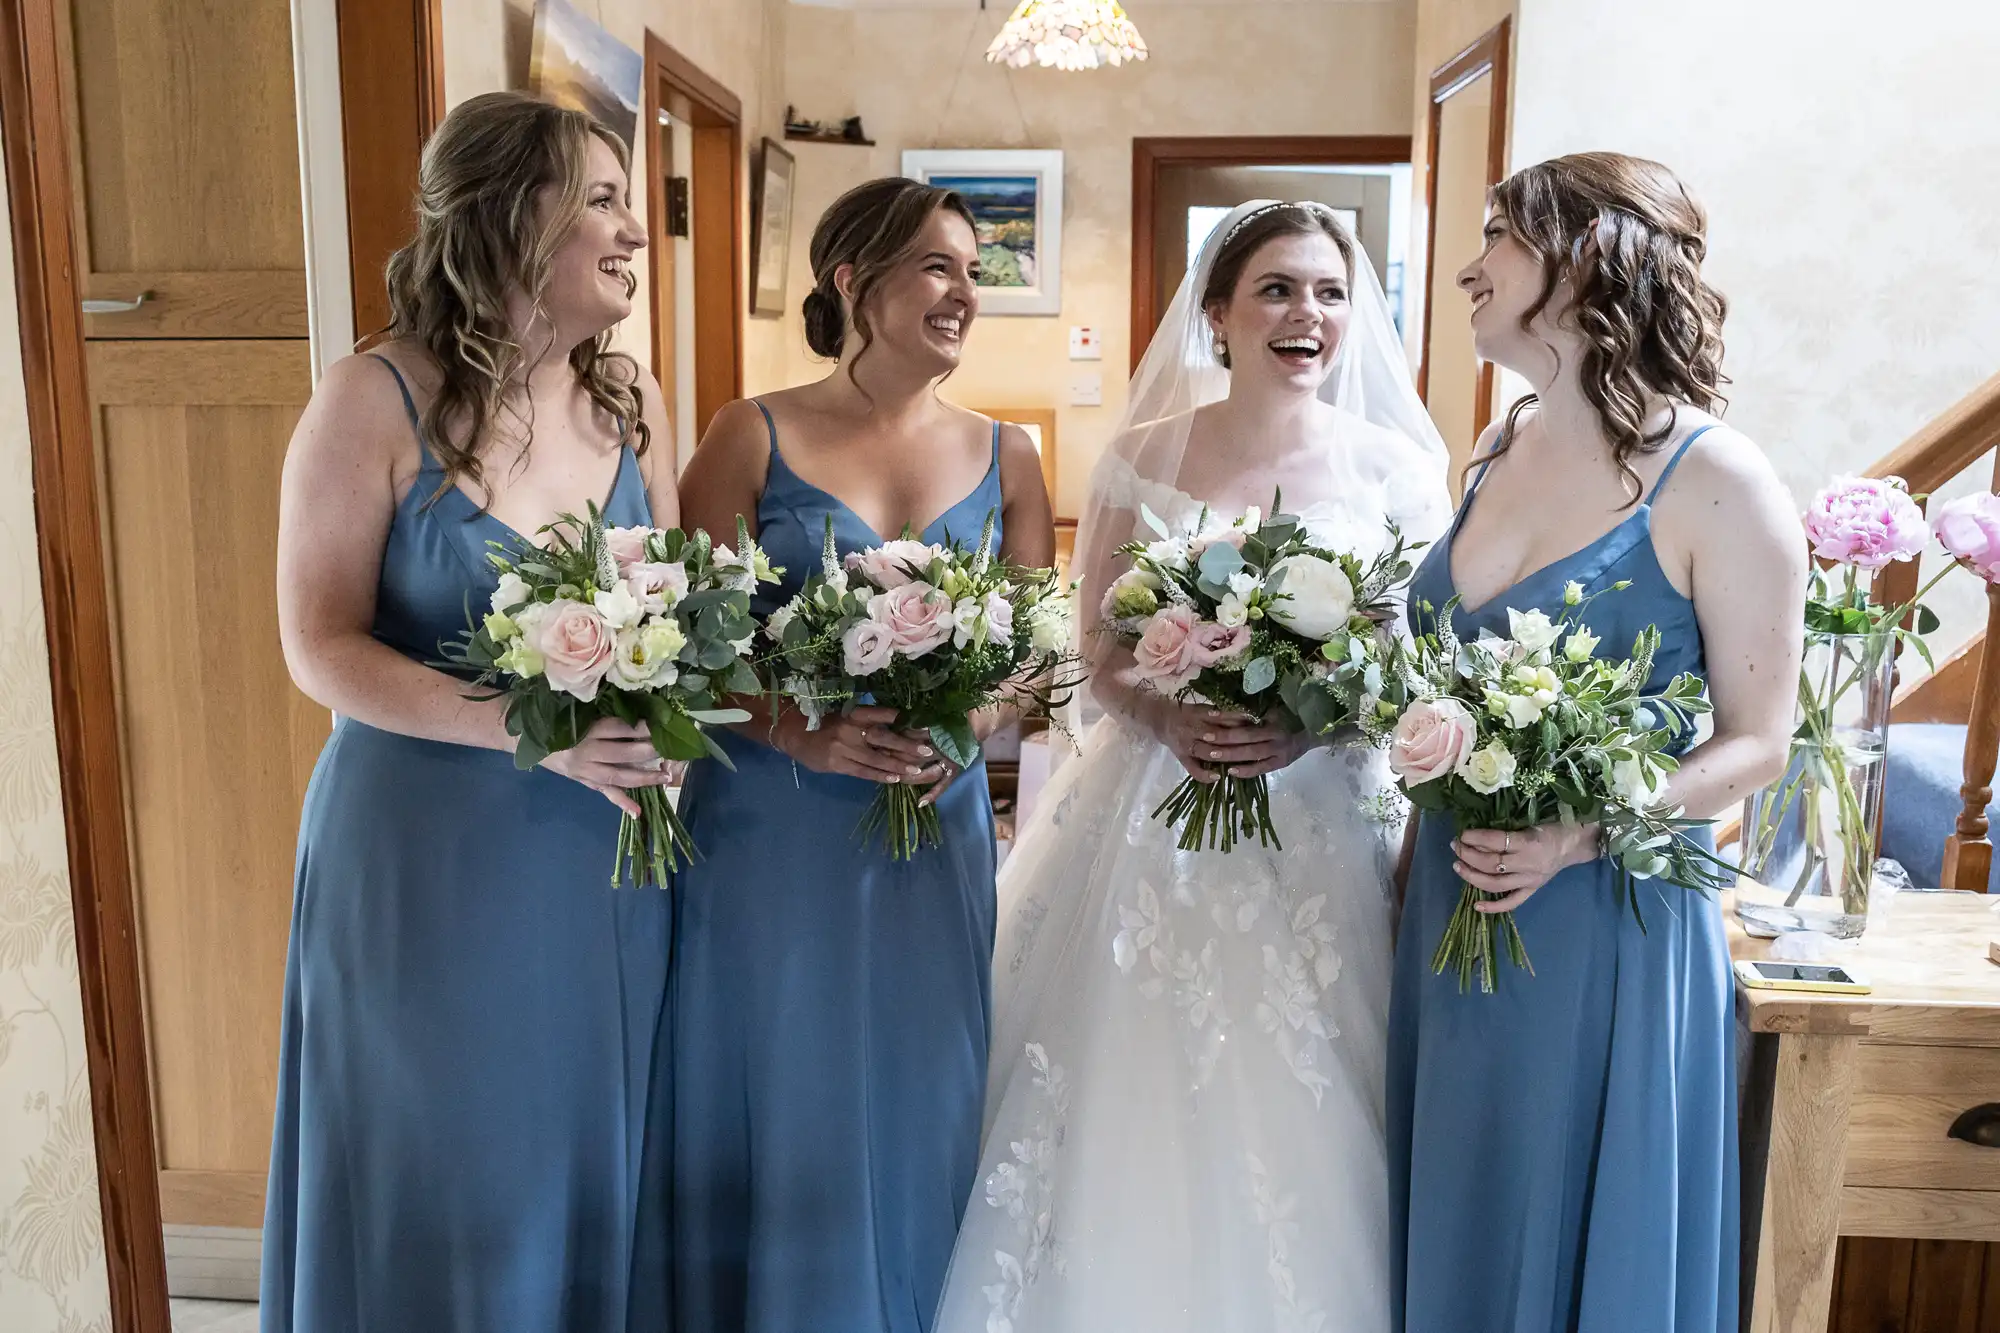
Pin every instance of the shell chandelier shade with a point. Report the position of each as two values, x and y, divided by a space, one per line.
1067 34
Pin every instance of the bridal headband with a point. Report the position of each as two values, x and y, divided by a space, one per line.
1308 205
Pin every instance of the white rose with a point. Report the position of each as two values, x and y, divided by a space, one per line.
1488 769
1635 785
780 619
1231 612
513 591
1048 631
1169 554
1314 597
1532 629
618 606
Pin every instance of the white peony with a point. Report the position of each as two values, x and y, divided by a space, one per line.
1533 630
1048 629
1314 597
1488 769
513 591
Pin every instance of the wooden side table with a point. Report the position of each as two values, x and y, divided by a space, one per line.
1848 1102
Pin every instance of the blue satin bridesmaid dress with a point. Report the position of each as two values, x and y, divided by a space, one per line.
831 1016
1562 1153
471 1015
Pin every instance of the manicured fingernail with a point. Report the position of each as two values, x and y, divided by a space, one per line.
1208 735
924 750
893 779
914 770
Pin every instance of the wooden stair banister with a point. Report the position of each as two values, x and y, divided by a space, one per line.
1955 440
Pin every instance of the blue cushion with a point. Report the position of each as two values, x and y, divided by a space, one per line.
1925 767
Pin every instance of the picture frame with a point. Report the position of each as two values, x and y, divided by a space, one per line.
1040 424
773 190
575 62
1016 197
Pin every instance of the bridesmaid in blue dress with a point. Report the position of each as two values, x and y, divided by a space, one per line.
831 1006
1563 1152
471 1011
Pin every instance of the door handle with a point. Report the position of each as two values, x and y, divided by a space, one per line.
116 307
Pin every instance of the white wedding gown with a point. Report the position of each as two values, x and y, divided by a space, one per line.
1185 1123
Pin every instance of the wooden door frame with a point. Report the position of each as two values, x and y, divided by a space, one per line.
720 300
1150 157
82 686
1490 54
392 105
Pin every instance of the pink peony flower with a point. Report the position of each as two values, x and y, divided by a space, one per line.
1969 528
1166 651
657 584
627 546
577 645
866 648
917 616
1432 738
1866 522
890 565
1214 643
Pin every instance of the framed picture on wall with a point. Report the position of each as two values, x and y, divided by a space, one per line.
770 229
1016 201
1040 424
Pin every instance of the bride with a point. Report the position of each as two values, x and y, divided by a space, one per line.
1184 1115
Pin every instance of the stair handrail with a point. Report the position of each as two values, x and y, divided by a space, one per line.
1947 445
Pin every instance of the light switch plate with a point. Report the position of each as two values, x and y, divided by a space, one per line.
1086 389
1083 344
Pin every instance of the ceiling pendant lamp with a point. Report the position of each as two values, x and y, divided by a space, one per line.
1067 34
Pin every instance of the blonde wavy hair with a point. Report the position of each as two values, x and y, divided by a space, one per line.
1629 239
479 240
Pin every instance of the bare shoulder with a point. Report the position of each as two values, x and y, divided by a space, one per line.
358 408
1726 470
735 447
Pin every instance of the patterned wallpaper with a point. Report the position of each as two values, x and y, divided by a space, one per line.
51 1243
1843 151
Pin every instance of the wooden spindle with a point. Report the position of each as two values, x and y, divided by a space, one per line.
1968 852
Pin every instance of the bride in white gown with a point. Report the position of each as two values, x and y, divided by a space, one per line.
1184 1118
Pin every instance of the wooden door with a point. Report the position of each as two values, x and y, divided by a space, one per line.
185 160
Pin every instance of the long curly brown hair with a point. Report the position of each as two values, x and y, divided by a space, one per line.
480 239
1629 239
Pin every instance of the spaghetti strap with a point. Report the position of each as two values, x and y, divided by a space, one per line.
770 426
1675 462
429 460
996 448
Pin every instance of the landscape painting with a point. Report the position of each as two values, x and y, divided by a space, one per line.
1016 203
577 64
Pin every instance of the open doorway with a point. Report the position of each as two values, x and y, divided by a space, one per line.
1181 188
694 213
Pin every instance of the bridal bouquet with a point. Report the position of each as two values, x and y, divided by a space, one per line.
640 624
936 633
1251 615
1517 732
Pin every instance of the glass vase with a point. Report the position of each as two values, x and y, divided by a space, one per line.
1809 840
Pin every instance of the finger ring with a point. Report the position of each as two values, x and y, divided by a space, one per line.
1506 843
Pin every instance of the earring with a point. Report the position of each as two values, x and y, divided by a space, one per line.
1221 348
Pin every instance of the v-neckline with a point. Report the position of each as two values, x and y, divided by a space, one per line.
1451 554
617 480
852 513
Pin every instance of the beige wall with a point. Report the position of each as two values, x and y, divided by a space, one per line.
51 1241
918 79
739 43
1846 164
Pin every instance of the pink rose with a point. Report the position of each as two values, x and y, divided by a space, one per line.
1214 643
891 564
1969 528
1166 651
1231 536
627 546
658 584
917 616
577 646
1866 522
866 648
1432 738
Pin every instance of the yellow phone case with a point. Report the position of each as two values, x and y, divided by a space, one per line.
1747 973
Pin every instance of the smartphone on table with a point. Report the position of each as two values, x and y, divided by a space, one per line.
1828 978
